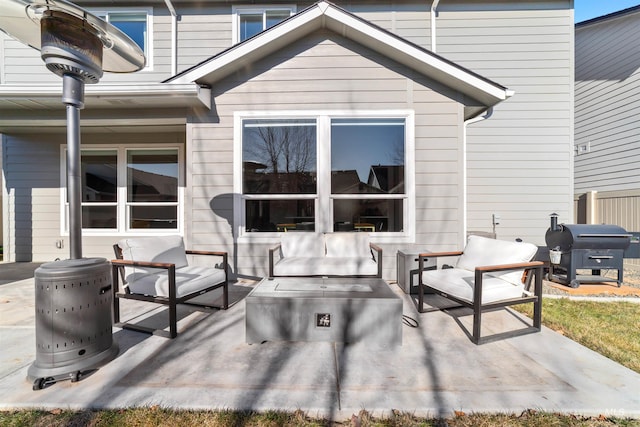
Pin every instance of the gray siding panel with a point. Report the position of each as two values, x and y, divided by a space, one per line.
32 180
607 104
371 85
518 160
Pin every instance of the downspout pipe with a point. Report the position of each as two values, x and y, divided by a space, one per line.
174 37
434 15
488 113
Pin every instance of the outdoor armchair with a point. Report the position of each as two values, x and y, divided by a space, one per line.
156 270
489 274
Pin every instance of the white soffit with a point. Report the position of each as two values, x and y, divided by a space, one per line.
326 15
160 95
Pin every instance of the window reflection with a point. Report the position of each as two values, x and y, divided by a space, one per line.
152 188
279 157
367 156
371 215
99 188
280 215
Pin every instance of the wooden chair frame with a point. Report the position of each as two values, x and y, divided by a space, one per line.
171 301
476 305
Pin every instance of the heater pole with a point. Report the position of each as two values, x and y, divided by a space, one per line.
73 97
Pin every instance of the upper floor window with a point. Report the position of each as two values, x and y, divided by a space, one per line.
250 20
135 23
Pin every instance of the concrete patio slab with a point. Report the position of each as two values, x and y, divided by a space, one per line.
436 371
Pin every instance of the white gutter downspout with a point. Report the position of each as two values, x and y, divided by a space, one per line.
470 121
434 14
174 37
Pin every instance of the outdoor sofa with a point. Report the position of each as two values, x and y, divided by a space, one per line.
339 254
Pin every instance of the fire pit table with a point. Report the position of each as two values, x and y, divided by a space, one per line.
324 309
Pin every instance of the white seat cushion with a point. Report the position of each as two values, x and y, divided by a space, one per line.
167 249
460 283
348 244
302 244
482 251
325 266
189 279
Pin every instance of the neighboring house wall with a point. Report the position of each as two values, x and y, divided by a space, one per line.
607 130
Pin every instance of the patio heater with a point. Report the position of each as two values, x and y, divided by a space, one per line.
73 297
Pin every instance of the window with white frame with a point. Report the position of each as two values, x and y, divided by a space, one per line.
251 20
327 173
136 23
129 189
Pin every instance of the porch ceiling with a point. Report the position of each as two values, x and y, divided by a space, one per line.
108 108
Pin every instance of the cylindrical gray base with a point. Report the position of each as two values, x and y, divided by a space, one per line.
73 319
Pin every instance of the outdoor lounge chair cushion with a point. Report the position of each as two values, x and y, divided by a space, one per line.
302 245
347 245
189 279
460 283
326 266
482 251
155 281
168 249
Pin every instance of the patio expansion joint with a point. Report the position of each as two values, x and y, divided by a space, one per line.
336 364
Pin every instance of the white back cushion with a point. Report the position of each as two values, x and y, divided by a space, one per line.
169 249
482 251
348 245
302 244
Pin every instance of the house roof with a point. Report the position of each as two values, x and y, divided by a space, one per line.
608 17
325 15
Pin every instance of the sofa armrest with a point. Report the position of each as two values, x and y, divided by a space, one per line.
271 257
224 255
377 257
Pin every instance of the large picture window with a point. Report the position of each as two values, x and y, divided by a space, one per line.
128 190
328 173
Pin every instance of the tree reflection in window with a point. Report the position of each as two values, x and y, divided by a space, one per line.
279 157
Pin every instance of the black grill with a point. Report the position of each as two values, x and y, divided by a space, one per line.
594 247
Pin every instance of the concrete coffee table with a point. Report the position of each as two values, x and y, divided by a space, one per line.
324 309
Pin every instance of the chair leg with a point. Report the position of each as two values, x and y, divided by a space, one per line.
116 300
173 320
477 323
225 296
537 306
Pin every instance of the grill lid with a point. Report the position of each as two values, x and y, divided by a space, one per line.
587 236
